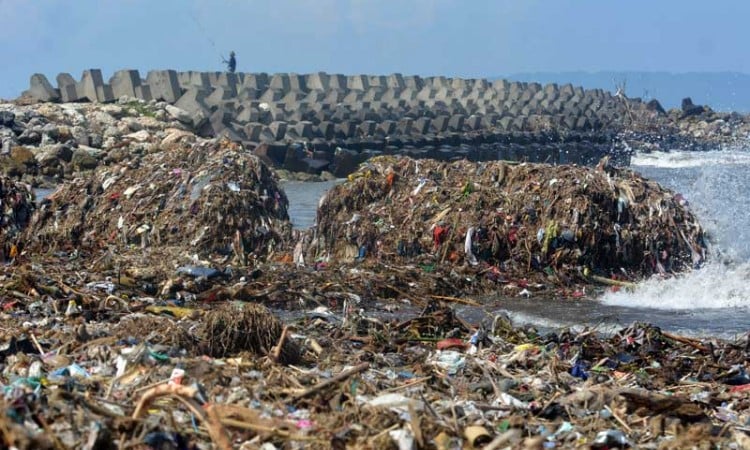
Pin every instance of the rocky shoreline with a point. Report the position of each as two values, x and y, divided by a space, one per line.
323 122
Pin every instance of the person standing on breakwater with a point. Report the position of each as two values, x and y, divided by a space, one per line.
232 63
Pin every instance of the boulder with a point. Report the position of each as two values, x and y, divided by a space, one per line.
83 160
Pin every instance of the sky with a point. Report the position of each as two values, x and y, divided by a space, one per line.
469 38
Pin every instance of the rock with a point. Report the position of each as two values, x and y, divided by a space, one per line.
654 105
7 118
176 135
96 140
22 155
139 136
103 118
57 151
689 109
179 114
83 160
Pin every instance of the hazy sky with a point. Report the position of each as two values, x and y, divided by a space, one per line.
427 37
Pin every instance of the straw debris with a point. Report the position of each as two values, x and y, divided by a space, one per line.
209 198
240 327
563 223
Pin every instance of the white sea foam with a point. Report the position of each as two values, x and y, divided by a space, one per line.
684 159
717 285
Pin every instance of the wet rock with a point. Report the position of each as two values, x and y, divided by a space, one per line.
83 160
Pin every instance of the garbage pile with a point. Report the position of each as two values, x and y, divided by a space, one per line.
210 199
114 375
564 223
18 204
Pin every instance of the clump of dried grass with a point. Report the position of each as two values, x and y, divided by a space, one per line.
239 327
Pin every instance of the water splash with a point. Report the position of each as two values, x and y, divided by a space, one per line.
716 184
678 159
715 286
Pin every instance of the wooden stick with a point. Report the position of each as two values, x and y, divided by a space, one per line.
185 395
276 351
36 344
464 301
160 391
691 342
619 419
340 377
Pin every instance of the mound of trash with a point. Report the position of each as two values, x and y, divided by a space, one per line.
205 199
17 201
566 223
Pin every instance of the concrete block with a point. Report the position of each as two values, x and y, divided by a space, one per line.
346 129
297 82
505 123
353 96
519 123
315 96
405 126
335 96
219 96
388 127
258 81
422 125
90 81
278 113
374 94
501 85
271 95
248 114
41 90
395 81
193 101
278 129
567 89
439 82
457 83
143 92
164 85
379 81
248 94
280 81
337 81
104 93
304 129
67 86
325 129
124 82
367 128
340 114
213 78
292 98
414 82
228 80
318 81
456 123
440 123
474 122
358 82
199 79
426 93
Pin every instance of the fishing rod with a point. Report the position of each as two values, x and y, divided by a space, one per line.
206 35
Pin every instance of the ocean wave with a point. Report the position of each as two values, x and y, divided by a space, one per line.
718 285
